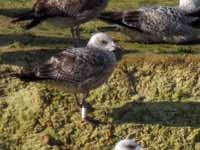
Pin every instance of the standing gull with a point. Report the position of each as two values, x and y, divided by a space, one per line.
78 70
64 13
157 24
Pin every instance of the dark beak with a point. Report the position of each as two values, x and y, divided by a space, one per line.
118 52
118 48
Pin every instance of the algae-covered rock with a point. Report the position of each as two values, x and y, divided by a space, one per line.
152 98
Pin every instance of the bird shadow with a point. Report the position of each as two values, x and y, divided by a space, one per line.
36 40
173 114
13 12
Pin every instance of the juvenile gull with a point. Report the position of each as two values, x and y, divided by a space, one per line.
157 24
78 70
127 144
64 13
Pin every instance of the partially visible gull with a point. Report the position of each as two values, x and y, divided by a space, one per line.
64 13
78 70
127 144
189 5
157 24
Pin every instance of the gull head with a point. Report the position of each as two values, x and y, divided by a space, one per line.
127 144
189 5
102 41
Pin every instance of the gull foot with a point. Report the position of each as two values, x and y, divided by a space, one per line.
91 121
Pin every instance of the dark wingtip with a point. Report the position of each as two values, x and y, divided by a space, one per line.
9 74
33 23
23 17
27 27
14 21
110 16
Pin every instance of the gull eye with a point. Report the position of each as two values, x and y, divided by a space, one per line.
104 42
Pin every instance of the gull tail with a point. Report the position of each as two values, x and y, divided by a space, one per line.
128 19
29 16
25 16
27 76
111 17
33 23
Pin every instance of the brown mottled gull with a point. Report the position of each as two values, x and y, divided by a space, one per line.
156 24
64 13
78 70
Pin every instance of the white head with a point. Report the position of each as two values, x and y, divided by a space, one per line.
189 5
102 41
127 144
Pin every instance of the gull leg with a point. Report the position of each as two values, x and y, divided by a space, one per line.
90 108
78 38
73 32
77 100
84 109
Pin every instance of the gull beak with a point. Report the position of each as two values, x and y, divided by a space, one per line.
115 47
118 51
118 48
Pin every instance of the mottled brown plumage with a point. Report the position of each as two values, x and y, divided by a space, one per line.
77 70
64 13
157 24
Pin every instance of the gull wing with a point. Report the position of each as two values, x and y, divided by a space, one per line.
71 67
64 7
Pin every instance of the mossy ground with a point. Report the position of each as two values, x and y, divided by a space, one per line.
153 96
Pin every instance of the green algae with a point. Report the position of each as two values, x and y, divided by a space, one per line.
153 98
154 101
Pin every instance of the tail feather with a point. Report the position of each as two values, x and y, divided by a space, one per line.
8 74
27 76
33 23
126 19
26 16
29 16
111 17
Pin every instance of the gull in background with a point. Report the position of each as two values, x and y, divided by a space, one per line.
127 144
63 13
189 5
77 70
156 24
